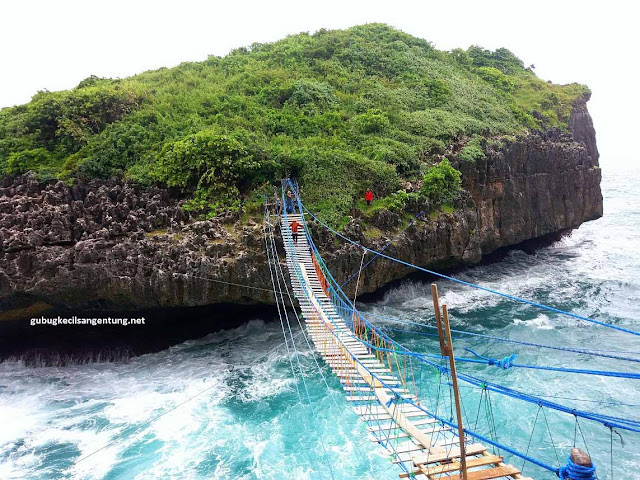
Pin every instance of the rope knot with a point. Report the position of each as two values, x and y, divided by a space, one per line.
573 471
505 363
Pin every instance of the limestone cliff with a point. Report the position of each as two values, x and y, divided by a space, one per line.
108 242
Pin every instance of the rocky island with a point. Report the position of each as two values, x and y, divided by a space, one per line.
147 192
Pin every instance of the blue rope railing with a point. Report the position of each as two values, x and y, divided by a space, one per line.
344 305
397 398
462 282
615 354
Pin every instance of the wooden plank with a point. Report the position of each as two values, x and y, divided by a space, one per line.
386 416
404 422
410 447
399 391
488 473
473 449
403 434
394 425
455 466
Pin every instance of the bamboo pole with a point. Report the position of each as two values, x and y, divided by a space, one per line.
436 307
456 391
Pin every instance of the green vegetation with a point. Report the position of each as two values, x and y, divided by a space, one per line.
442 184
339 110
473 150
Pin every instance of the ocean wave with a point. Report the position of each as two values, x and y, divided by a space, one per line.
541 322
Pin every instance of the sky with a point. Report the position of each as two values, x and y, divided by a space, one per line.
55 44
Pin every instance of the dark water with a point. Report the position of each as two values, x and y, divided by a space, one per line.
252 423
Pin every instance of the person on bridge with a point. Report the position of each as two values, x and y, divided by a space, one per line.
294 230
288 202
277 203
368 196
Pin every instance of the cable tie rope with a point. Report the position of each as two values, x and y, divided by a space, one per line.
338 298
469 284
595 353
622 423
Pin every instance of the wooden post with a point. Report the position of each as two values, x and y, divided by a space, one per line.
436 307
456 392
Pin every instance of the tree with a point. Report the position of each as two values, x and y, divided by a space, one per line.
208 162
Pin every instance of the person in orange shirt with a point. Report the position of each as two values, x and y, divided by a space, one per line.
294 230
368 196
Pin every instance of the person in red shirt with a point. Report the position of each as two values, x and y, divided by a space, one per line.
294 230
368 196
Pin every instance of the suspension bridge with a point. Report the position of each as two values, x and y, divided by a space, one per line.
376 384
378 377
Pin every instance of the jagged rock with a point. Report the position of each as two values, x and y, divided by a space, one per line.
386 220
109 241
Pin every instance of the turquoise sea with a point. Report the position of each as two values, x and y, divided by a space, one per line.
227 406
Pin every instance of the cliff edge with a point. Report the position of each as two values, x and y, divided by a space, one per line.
107 242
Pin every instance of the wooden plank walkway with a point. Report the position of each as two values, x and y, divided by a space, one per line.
428 449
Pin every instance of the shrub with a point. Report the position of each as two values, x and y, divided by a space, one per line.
209 163
442 184
371 122
496 78
439 92
473 151
22 162
398 201
70 118
314 95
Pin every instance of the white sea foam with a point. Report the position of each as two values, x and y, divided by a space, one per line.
251 425
541 322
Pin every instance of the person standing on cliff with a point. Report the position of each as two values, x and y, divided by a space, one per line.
294 230
368 196
288 201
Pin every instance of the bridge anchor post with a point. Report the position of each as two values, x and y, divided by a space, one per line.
446 347
436 307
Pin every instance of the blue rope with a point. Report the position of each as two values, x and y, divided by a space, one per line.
339 296
505 363
485 439
473 285
442 420
595 353
573 471
625 424
559 397
622 423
